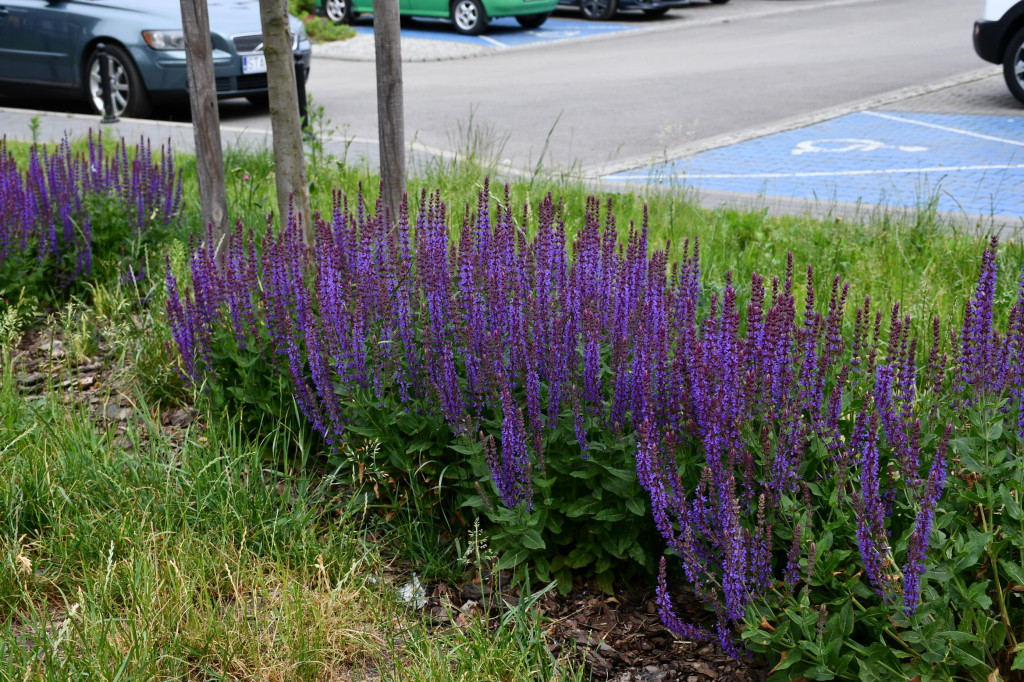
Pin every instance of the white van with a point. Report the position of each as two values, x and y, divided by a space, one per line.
999 38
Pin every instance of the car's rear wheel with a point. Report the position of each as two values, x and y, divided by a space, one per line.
598 10
1013 65
533 20
656 11
338 11
469 17
128 92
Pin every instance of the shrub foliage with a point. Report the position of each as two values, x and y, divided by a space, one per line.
590 397
67 211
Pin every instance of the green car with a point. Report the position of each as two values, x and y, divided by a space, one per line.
469 17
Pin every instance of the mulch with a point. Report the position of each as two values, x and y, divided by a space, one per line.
619 637
43 364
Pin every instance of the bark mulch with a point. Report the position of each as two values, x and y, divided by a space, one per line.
620 637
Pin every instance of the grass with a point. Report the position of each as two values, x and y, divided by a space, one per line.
151 561
222 558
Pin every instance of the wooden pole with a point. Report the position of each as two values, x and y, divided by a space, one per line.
289 166
390 105
202 88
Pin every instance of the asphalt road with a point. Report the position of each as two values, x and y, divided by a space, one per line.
698 74
644 94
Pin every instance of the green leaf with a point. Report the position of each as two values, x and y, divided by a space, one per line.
580 507
636 505
564 580
579 557
1013 570
1012 506
605 582
609 515
994 431
970 656
531 539
792 657
464 449
512 558
636 553
1018 660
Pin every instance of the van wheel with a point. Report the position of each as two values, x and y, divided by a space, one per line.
1013 65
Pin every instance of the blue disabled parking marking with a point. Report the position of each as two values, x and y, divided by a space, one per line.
506 32
964 163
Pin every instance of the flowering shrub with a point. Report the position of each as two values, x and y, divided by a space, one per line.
66 209
794 463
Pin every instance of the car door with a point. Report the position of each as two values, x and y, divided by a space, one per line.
37 39
423 8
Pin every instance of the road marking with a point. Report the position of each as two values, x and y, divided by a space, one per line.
492 41
848 144
820 174
948 129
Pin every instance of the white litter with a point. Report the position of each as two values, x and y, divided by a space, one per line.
413 593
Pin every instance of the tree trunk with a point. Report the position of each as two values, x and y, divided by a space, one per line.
205 117
390 106
289 168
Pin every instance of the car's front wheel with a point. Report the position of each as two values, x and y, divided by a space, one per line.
338 11
469 17
1013 65
598 10
127 92
533 20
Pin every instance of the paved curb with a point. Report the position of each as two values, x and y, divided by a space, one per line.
360 48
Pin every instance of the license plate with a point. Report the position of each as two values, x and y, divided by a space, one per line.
256 63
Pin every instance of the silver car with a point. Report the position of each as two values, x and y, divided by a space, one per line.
50 47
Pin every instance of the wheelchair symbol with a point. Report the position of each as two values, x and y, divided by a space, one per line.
844 145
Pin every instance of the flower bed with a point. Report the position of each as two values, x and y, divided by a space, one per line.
597 402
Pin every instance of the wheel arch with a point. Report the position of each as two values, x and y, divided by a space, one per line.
1014 22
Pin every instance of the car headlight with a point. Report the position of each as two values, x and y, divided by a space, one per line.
299 37
165 40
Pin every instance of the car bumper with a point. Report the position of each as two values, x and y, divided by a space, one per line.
166 76
988 40
509 8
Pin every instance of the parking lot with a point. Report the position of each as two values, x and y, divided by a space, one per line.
958 163
505 32
754 98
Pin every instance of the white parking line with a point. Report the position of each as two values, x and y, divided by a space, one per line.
816 174
948 129
492 41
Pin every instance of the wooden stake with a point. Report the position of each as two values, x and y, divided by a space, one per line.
202 98
390 104
289 166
